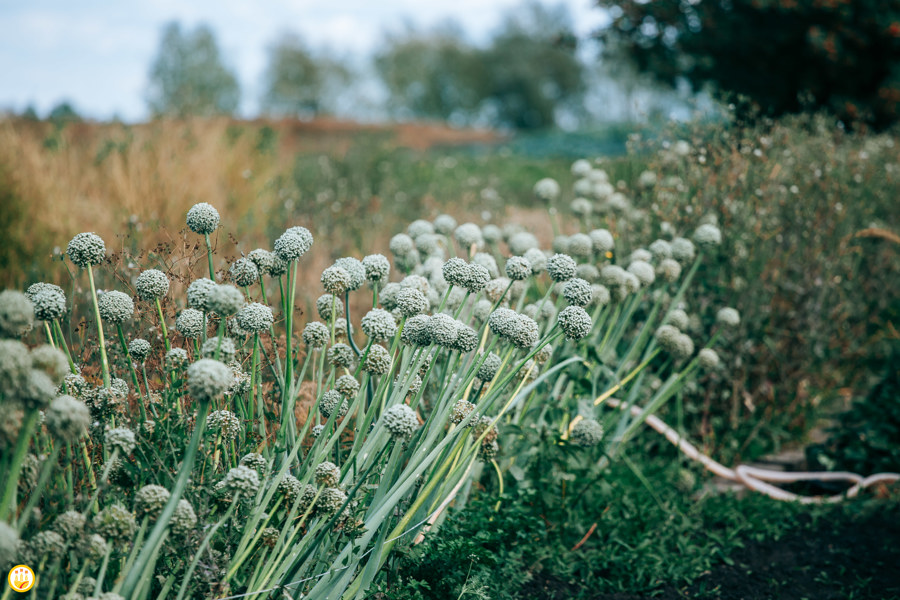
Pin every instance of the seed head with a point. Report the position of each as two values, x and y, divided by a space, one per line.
574 322
518 268
488 369
327 474
521 242
561 244
708 359
377 266
67 419
466 338
347 386
203 218
587 432
226 349
49 304
460 411
679 319
578 292
36 391
419 227
225 300
293 243
255 317
151 284
546 189
324 306
643 271
331 500
150 500
660 249
115 306
415 331
70 525
379 324
198 292
335 280
708 236
400 420
176 359
51 361
669 269
683 250
442 330
561 267
536 259
121 438
184 519
582 207
242 480
244 272
224 423
332 400
355 269
456 272
115 523
411 301
401 245
581 246
86 249
263 259
468 235
139 349
315 334
602 241
208 379
191 323
729 317
341 355
378 361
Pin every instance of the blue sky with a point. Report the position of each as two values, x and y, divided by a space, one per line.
96 54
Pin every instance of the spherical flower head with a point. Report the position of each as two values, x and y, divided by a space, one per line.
184 519
581 168
115 306
582 207
574 322
411 301
578 292
683 250
518 268
496 288
335 280
36 288
466 338
151 284
46 545
49 304
482 310
139 349
477 277
537 260
708 236
503 322
456 271
241 480
587 432
244 272
226 349
600 295
115 523
36 391
225 300
341 355
377 266
263 259
640 254
729 317
588 272
415 331
561 244
70 525
387 296
317 431
150 500
330 501
521 242
429 244
51 361
442 329
93 547
327 474
444 224
401 245
488 262
460 411
468 235
332 401
203 218
485 426
379 324
86 249
708 359
255 317
16 314
602 241
419 227
561 267
612 276
669 269
208 379
255 461
315 334
547 189
400 420
121 439
176 359
224 423
678 318
198 293
328 306
378 361
543 354
290 487
67 419
488 369
491 234
355 269
660 249
643 271
416 281
526 333
581 246
347 386
293 243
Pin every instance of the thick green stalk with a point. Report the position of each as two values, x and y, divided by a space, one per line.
61 341
12 476
102 342
162 325
212 272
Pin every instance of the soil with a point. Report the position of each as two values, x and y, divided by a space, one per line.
857 559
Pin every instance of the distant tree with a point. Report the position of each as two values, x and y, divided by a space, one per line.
188 76
298 82
432 74
63 113
784 55
533 71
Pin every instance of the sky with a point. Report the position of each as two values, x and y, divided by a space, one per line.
96 54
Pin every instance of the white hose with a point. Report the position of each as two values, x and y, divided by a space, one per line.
756 478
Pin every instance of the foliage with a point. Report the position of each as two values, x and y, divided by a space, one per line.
188 76
521 79
298 82
786 56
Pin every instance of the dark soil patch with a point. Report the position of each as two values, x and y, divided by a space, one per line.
834 559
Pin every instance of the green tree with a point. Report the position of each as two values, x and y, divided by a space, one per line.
783 55
188 76
299 82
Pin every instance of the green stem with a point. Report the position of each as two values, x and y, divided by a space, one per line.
212 272
12 477
61 341
162 325
102 342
